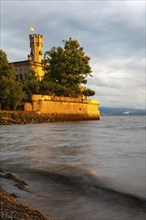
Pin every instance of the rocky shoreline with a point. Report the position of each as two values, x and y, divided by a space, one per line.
22 117
12 208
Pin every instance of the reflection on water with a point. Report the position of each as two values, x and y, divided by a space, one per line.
80 170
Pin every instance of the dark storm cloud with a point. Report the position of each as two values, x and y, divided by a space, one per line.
111 32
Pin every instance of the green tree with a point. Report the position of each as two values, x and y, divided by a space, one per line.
65 70
88 92
11 93
31 83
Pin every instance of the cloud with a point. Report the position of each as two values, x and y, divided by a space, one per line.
112 33
119 79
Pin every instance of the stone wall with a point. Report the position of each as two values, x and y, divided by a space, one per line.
71 107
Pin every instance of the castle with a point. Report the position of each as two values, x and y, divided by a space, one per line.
34 61
63 107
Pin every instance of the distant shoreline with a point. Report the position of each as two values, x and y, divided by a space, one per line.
108 111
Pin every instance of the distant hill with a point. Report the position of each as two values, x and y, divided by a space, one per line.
121 111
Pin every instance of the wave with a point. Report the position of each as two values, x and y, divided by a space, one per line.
92 184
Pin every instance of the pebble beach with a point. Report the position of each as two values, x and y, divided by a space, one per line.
11 208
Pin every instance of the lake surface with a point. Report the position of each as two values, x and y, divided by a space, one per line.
80 170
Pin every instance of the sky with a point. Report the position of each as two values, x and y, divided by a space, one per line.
112 34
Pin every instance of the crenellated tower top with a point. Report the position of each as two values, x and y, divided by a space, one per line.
36 45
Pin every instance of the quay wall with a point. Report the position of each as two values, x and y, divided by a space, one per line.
74 107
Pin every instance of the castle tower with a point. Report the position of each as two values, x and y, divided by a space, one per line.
34 62
36 45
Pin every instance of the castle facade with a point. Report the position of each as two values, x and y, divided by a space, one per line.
34 61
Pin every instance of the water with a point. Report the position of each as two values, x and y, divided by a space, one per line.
80 170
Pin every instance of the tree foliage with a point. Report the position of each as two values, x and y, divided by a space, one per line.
65 70
88 92
11 93
31 83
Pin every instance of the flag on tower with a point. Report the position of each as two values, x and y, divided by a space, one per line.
31 29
